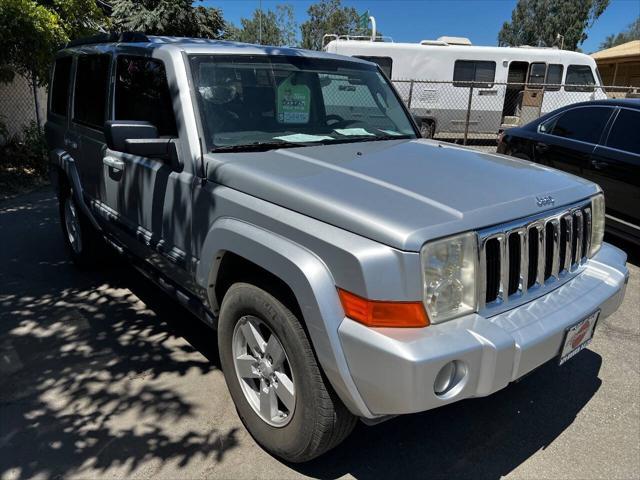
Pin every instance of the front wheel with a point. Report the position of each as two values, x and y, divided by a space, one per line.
276 384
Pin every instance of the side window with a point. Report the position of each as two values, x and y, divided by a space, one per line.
90 97
624 134
583 124
385 63
581 76
481 73
537 73
554 77
142 93
60 86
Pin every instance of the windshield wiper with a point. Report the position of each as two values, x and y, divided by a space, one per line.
256 147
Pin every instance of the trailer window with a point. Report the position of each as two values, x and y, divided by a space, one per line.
385 63
537 73
579 79
554 77
477 73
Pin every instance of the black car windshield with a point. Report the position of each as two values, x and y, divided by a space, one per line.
258 101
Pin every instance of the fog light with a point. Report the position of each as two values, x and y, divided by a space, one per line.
449 376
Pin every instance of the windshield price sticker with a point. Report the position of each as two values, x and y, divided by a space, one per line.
294 103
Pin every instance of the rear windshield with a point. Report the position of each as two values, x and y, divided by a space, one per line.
246 100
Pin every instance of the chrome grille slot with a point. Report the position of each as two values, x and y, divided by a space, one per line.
525 259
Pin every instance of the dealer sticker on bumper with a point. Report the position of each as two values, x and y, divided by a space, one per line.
578 337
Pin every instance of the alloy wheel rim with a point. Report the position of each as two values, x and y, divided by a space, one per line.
72 224
263 371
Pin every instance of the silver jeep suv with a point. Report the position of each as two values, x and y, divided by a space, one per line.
350 268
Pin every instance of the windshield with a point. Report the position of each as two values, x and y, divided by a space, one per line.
254 101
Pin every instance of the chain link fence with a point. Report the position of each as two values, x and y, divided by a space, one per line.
468 112
18 108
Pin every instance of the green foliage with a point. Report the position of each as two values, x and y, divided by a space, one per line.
631 33
329 16
267 27
26 153
168 17
538 22
29 34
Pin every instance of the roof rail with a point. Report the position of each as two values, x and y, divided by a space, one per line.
113 37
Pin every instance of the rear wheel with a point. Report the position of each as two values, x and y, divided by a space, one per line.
84 245
276 384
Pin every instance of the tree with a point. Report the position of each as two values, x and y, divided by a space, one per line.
267 27
631 33
329 16
168 17
538 22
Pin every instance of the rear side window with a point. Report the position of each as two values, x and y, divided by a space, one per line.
385 63
142 93
579 79
90 97
60 86
624 134
554 77
583 124
480 72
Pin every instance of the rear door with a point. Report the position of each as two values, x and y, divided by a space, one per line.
89 114
567 141
615 166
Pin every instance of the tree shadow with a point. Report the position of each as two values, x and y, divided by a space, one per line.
89 362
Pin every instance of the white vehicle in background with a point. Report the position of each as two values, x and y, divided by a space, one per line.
441 80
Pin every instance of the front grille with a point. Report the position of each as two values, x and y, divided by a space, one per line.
522 258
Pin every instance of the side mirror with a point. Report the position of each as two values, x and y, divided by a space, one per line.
140 138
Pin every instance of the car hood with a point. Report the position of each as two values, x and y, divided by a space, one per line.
399 192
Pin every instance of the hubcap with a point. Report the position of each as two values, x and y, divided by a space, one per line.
264 371
72 224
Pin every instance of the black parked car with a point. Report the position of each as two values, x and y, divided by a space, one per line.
597 140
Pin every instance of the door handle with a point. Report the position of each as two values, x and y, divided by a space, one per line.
113 163
599 165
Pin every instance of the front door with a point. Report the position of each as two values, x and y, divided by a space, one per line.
567 141
147 198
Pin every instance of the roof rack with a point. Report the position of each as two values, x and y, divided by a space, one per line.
113 37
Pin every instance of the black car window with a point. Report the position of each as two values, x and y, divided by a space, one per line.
584 124
142 93
624 134
90 97
60 86
481 73
385 63
579 79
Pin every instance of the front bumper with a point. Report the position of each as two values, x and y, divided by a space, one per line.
394 369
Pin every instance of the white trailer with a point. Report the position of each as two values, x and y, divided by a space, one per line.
450 85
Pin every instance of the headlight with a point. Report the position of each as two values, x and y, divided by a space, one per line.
449 276
597 223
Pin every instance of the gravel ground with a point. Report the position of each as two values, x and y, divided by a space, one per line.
101 376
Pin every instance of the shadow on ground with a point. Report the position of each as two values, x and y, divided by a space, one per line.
85 356
81 352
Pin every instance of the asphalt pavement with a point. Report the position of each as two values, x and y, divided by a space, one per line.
102 376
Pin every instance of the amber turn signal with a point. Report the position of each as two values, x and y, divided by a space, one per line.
374 313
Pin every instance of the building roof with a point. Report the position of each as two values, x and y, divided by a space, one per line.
629 49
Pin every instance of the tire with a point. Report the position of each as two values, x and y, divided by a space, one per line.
85 247
302 428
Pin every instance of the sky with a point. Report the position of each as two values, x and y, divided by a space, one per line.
415 20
